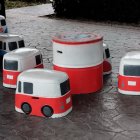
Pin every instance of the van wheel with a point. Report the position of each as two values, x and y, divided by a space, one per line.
47 111
26 108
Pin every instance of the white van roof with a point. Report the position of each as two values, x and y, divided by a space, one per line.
132 58
2 17
10 37
21 53
44 75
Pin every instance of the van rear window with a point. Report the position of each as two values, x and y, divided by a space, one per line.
132 70
38 59
65 87
107 53
10 65
12 46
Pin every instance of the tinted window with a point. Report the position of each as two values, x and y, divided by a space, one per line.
19 86
28 88
0 44
38 59
132 70
65 87
4 46
107 53
10 65
12 46
3 22
21 44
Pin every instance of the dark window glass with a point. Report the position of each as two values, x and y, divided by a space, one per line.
107 53
28 88
12 46
3 22
19 86
65 87
10 65
38 59
21 44
0 44
4 46
132 70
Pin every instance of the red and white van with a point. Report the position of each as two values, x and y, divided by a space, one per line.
18 61
129 74
80 55
10 42
107 67
42 92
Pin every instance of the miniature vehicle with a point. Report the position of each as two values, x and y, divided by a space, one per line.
80 55
129 74
10 42
18 61
50 97
107 60
3 26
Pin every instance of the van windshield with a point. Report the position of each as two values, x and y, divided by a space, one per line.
132 70
10 65
65 87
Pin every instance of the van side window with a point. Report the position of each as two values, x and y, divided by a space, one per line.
38 59
19 86
0 44
21 44
28 88
4 46
65 87
3 22
12 45
107 53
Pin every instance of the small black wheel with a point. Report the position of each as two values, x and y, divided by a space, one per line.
26 108
47 111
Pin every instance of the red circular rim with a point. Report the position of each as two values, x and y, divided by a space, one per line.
63 38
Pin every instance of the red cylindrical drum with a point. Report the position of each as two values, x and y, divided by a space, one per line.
80 55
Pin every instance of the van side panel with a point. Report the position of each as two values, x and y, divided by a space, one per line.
59 105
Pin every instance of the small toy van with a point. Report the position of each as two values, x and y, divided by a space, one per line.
3 26
18 61
42 92
107 67
129 74
10 42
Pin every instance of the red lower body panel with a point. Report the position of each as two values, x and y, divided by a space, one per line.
129 83
59 105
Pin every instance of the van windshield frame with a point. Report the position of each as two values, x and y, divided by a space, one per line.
131 70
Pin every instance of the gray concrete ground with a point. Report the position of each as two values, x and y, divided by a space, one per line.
106 115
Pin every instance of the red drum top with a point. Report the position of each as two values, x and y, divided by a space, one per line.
76 38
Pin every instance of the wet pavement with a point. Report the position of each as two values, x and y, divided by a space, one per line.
106 115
